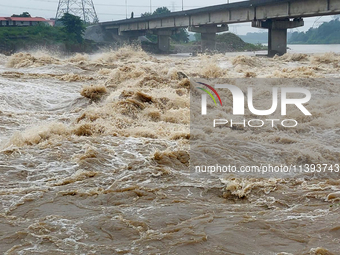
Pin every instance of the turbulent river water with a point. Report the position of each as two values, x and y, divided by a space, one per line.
94 159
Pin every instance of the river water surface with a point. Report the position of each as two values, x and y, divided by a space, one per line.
95 159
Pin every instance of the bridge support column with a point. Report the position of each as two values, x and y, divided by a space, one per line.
277 33
208 41
131 36
163 40
208 35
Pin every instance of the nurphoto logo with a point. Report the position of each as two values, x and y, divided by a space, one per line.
239 104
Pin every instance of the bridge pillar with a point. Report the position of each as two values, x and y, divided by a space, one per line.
208 35
277 33
131 36
208 41
163 40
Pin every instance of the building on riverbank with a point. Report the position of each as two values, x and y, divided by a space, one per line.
23 21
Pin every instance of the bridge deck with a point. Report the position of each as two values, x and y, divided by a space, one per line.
238 12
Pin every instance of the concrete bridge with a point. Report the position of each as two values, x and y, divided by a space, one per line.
275 15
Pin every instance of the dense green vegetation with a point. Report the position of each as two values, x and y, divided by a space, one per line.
73 27
226 42
327 33
16 38
67 37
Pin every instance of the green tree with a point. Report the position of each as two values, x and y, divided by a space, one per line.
181 36
146 14
24 14
158 11
74 27
161 10
326 33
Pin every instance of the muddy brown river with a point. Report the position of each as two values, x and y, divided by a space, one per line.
95 155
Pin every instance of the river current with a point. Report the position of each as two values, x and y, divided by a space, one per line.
94 159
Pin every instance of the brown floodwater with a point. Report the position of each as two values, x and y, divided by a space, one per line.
94 158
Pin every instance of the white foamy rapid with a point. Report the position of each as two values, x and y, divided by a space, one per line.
95 159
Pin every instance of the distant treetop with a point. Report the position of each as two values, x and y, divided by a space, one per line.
181 35
158 11
24 14
326 33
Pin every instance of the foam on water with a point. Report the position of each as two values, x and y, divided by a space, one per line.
95 154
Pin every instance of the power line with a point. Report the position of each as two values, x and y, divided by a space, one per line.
145 5
50 10
104 14
123 5
41 9
29 8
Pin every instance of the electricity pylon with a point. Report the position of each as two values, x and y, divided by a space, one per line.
82 8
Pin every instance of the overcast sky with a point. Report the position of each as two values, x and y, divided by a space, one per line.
114 10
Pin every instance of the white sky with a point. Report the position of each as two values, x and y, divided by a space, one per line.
108 10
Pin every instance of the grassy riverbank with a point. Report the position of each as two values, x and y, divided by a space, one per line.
227 42
26 38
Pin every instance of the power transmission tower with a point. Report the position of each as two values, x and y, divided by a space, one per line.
82 8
